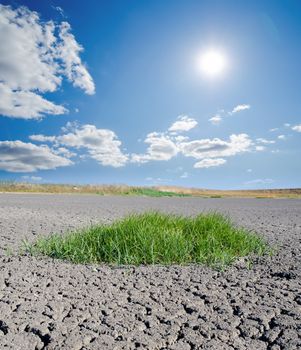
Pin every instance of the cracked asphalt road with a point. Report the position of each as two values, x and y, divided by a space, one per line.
50 304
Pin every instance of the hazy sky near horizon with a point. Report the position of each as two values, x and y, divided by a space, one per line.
189 93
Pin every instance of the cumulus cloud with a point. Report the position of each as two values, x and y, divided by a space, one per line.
34 58
184 123
64 152
297 128
68 51
42 138
213 148
166 145
18 156
215 120
25 104
265 141
180 138
282 137
210 162
240 108
161 147
101 144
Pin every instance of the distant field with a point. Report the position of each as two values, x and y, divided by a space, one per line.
155 191
102 190
270 193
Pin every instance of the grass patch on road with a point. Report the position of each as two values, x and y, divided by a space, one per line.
156 238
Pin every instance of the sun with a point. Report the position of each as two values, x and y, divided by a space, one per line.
212 63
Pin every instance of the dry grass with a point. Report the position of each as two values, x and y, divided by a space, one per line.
156 191
62 188
270 193
104 190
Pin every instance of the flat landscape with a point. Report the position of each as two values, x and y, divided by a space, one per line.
52 304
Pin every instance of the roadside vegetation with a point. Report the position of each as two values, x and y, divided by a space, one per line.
152 191
155 238
102 190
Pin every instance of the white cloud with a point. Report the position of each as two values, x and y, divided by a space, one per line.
102 144
184 123
274 129
240 108
70 126
180 138
265 141
166 145
287 125
68 51
161 147
42 138
34 58
259 148
213 148
64 152
259 182
25 104
216 120
59 10
282 137
297 128
209 162
18 156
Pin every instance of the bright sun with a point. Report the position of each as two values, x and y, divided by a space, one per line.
212 63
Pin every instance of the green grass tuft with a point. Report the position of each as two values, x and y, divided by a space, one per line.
152 192
155 238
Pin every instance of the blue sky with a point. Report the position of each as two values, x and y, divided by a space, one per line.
117 92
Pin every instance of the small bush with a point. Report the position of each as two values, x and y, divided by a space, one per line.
155 238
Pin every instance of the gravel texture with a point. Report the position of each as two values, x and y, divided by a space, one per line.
49 304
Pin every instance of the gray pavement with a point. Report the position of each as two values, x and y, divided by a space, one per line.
48 304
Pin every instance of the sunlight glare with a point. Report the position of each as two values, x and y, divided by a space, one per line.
212 63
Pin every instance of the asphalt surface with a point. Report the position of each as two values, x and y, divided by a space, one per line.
50 304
